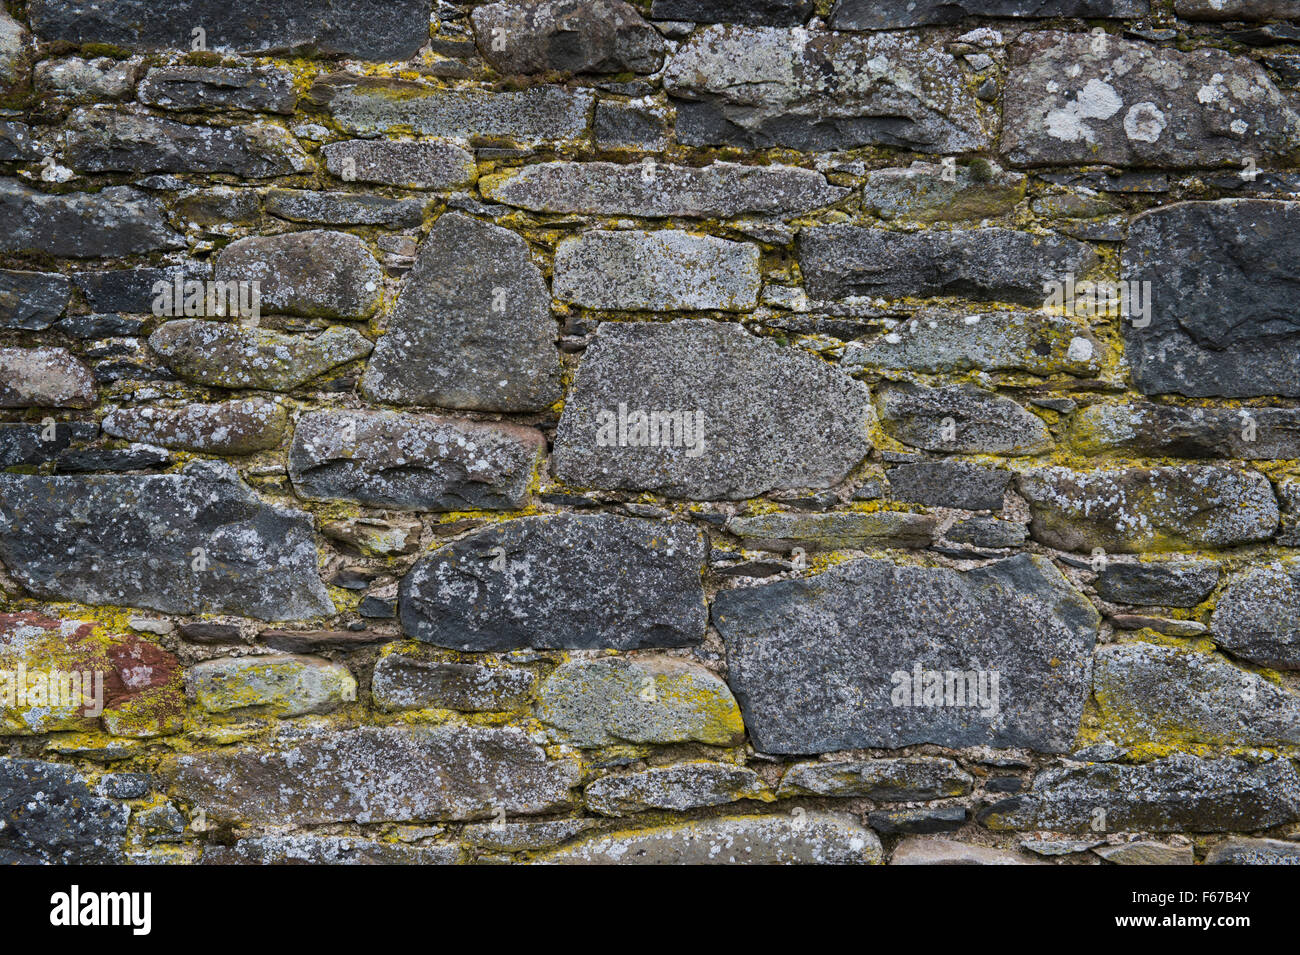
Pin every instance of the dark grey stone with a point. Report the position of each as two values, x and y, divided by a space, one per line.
566 36
1223 321
413 462
1152 430
116 221
51 816
472 327
319 273
131 541
949 484
989 264
263 89
818 663
232 427
25 444
132 290
32 301
562 581
1257 617
905 779
960 418
408 681
1162 584
987 532
929 819
897 14
629 126
343 208
777 13
406 164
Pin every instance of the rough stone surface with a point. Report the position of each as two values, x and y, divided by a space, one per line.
32 300
316 273
232 427
131 540
961 419
562 581
594 703
764 410
1255 618
44 378
813 661
116 221
989 264
815 838
926 192
1254 852
944 484
1071 99
919 850
679 787
893 14
834 531
720 190
213 87
413 462
1178 793
423 165
567 36
908 779
472 328
1138 510
1221 294
657 271
296 849
405 679
378 775
762 86
51 816
1152 430
751 12
1146 853
282 685
231 356
343 208
367 30
1165 584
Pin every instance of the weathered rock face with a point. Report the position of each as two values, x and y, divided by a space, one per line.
835 531
44 378
758 412
962 419
32 300
231 356
754 12
1169 795
1255 618
52 816
116 221
411 165
1221 295
815 838
119 142
568 36
407 679
944 484
1073 98
981 264
568 581
1148 429
284 685
1254 852
655 271
721 190
1168 583
195 542
413 462
343 208
908 779
893 14
759 87
232 427
928 193
367 30
535 115
593 703
378 775
316 273
943 341
684 786
870 654
1158 509
1161 696
213 87
299 849
472 328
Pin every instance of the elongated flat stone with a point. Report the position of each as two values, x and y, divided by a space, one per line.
413 462
118 220
833 661
1136 510
572 581
896 14
425 165
960 418
232 427
567 36
472 328
816 90
754 12
195 542
32 300
909 779
1180 793
1183 583
406 678
772 417
680 787
231 356
377 775
319 273
1148 429
721 190
658 271
284 685
262 89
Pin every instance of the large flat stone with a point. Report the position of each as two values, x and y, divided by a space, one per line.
657 271
897 14
1256 617
960 418
44 378
827 662
563 581
814 90
720 190
907 779
1137 510
752 12
358 29
1223 320
407 678
377 775
52 817
131 541
1147 429
472 327
811 839
318 273
32 301
279 684
1073 98
566 36
116 221
989 264
413 462
231 427
773 418
426 165
262 89
1180 793
1183 583
678 787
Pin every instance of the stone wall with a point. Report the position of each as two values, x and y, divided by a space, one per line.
670 431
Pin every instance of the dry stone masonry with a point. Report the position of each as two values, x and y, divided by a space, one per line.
650 432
